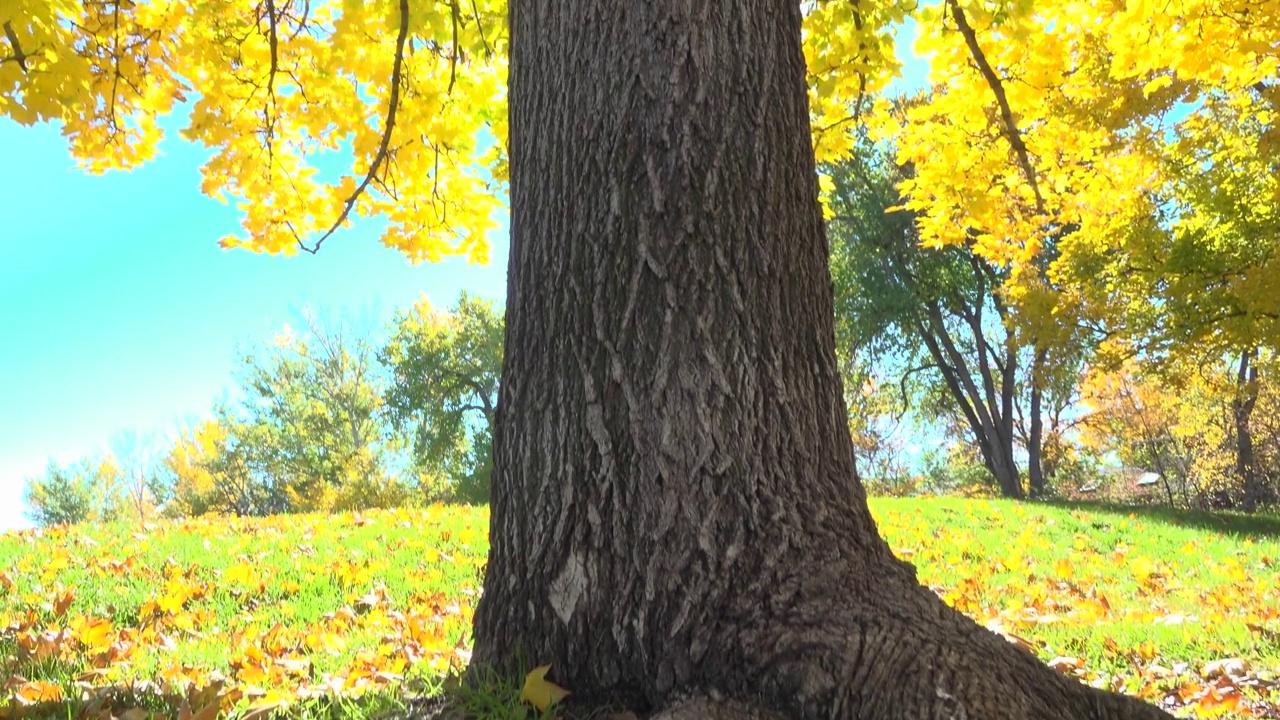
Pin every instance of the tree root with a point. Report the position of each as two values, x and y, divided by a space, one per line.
897 652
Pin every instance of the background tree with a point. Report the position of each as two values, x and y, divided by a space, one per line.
138 459
877 426
935 322
88 490
1182 422
59 497
445 368
208 471
1193 280
309 421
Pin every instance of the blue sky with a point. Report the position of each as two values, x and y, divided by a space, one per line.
118 310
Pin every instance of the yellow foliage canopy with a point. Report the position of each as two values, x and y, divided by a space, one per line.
406 98
1063 140
1046 138
411 94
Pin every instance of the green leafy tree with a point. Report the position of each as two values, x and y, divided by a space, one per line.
445 367
202 476
308 432
935 323
89 490
932 314
62 496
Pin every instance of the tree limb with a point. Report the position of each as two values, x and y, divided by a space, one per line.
18 55
393 104
1009 127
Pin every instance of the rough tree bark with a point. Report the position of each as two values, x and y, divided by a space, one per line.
675 512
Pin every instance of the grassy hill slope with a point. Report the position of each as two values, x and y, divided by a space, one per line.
346 615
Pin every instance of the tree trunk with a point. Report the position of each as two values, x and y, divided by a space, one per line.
979 408
1241 411
1035 438
1035 443
675 510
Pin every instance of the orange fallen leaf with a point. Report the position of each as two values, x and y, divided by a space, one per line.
33 692
62 602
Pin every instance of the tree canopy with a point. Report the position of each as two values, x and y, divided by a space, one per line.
1103 156
444 368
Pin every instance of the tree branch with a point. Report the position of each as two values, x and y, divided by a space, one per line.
1009 127
393 104
475 12
906 375
18 55
269 118
453 51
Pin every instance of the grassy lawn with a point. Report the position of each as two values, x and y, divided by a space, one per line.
1141 601
340 616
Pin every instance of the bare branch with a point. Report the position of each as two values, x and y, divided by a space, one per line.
475 12
906 375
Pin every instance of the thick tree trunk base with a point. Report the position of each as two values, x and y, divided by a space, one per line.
706 708
676 512
823 647
896 655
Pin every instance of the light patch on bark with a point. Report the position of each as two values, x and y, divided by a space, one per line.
948 707
568 587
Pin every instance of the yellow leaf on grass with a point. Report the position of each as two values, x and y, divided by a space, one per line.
171 602
540 692
238 574
94 633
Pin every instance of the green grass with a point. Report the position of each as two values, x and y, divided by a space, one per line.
350 616
1129 593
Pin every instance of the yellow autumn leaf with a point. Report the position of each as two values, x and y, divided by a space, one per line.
540 692
238 574
96 634
171 603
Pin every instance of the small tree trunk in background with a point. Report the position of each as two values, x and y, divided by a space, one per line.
1004 467
674 504
978 403
1035 437
1035 458
1241 411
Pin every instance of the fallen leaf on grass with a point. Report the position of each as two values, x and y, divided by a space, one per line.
208 712
1267 633
1065 665
262 709
34 692
540 692
1226 667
